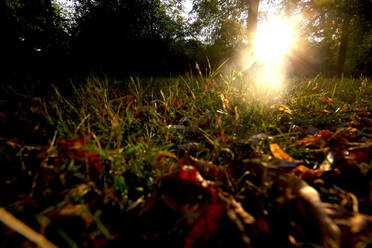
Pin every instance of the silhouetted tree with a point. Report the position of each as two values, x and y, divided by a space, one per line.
33 37
126 37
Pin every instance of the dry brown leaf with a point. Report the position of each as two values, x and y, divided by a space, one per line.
331 234
310 141
355 226
238 216
306 174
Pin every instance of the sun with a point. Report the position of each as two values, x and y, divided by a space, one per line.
266 61
275 38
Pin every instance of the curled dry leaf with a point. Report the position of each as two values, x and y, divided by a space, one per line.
238 216
331 233
356 227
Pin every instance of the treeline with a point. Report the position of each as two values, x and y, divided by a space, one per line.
119 38
112 37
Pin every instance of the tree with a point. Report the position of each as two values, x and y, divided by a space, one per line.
342 27
214 15
32 33
122 37
252 19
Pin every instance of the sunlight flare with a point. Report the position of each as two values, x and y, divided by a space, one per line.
267 59
275 38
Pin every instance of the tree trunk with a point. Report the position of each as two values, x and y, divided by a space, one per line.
252 20
345 33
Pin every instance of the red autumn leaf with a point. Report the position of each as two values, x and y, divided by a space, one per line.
189 173
317 139
95 161
177 104
184 161
325 134
262 225
362 154
77 150
214 171
206 225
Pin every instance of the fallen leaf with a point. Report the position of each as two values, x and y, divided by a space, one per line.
356 227
77 149
310 141
237 215
314 88
325 134
177 104
255 139
206 225
262 225
318 140
361 154
306 173
284 108
279 153
331 234
327 163
161 156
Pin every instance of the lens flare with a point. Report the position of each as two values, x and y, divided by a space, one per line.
267 60
274 39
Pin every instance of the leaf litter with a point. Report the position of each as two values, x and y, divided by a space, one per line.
309 186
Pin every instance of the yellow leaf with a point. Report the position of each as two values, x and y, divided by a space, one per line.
279 153
284 108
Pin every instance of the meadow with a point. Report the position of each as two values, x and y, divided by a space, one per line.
205 160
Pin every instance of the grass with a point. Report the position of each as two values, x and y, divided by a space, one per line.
140 129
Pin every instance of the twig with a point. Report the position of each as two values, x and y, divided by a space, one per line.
18 226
